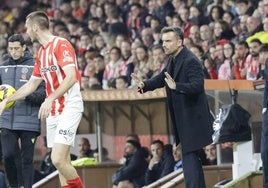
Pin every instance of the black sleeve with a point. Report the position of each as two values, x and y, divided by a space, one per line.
38 96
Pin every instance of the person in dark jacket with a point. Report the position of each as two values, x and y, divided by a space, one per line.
264 135
132 173
21 121
162 162
183 79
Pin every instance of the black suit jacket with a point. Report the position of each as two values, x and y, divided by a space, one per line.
188 103
265 94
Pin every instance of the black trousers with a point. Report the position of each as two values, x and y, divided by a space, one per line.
264 149
192 170
18 159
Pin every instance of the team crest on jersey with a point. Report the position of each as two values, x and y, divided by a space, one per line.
66 56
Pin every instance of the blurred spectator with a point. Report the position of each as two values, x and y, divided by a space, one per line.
239 59
159 60
161 163
90 66
116 26
240 35
121 82
195 34
99 67
243 7
177 20
206 39
136 20
209 64
164 7
228 17
131 174
98 44
157 35
84 148
227 152
197 17
186 23
142 65
254 25
113 68
261 35
199 52
105 156
215 14
211 154
93 25
147 37
225 69
155 22
84 83
177 157
94 83
252 61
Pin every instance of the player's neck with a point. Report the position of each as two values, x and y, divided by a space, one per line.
45 38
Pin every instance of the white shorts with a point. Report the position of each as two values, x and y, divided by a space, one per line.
62 128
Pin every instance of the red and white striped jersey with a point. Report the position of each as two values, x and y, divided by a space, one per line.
50 62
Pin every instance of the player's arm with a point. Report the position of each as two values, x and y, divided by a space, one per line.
25 90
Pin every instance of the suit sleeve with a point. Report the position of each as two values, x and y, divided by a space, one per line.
156 82
264 101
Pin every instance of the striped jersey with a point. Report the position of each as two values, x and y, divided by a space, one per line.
51 60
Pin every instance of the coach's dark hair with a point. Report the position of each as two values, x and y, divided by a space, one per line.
16 38
179 33
40 18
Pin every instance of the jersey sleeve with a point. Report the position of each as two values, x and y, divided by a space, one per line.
65 54
36 70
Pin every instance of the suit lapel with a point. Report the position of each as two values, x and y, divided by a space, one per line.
179 60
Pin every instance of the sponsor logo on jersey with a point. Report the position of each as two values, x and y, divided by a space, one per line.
52 68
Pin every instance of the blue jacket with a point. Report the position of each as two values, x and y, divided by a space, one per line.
24 115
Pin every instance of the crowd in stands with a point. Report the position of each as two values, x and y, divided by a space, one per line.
114 38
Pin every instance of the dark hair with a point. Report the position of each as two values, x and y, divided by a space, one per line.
263 48
243 43
134 135
157 46
16 38
158 142
256 40
40 18
123 77
103 150
176 29
135 143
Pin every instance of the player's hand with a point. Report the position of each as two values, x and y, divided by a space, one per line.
2 106
170 82
45 109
